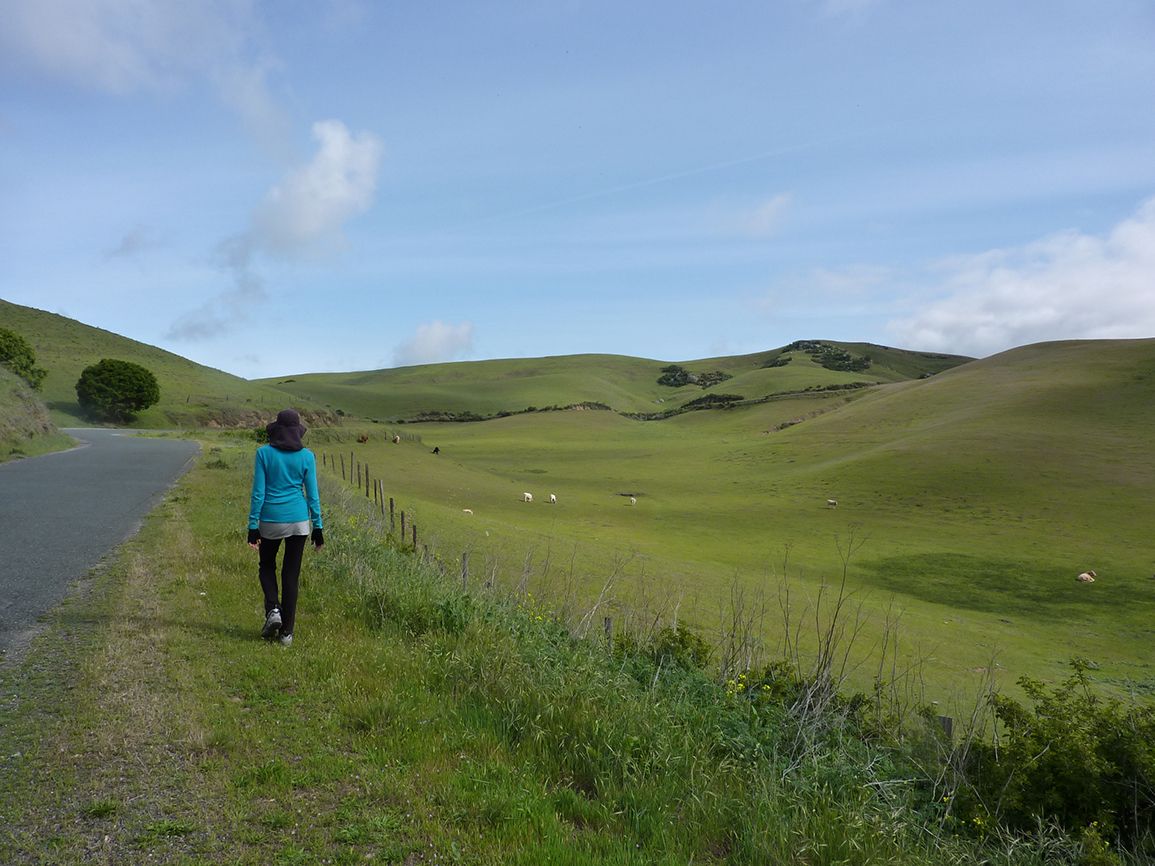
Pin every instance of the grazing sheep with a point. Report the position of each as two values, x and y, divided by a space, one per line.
831 503
1087 577
553 499
633 500
467 510
527 497
396 439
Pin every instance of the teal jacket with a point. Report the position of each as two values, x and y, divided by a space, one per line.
284 487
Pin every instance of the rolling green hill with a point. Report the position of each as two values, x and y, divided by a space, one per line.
625 384
980 494
191 394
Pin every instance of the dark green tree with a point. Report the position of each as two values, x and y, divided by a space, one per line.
116 390
17 356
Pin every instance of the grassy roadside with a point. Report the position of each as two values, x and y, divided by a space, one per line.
408 724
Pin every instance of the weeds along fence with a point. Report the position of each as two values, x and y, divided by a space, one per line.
359 474
822 659
968 784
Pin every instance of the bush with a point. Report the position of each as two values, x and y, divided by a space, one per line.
116 390
1076 758
676 376
17 355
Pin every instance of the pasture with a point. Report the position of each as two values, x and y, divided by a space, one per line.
972 500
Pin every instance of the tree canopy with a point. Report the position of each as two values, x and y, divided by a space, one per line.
116 390
17 355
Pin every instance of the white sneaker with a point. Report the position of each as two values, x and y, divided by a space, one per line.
286 640
272 624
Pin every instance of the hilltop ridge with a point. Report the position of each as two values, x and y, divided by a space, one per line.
626 384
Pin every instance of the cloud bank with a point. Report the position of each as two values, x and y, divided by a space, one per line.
301 215
306 210
1067 286
131 46
434 343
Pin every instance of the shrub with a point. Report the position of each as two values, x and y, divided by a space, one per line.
712 400
1075 758
17 355
116 390
676 376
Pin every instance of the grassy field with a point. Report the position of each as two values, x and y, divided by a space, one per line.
191 394
978 495
411 723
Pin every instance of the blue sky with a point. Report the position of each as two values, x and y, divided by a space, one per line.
280 187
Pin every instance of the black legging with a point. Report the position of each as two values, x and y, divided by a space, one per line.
290 574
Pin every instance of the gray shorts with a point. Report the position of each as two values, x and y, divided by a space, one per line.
283 530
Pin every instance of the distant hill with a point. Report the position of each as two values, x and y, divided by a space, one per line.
622 383
191 394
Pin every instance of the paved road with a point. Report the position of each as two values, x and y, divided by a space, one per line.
61 513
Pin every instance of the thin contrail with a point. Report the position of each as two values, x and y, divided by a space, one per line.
653 181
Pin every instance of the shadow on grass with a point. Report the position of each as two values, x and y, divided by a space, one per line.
1002 586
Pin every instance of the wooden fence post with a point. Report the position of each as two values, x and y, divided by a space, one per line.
403 526
415 536
366 480
392 520
342 467
464 570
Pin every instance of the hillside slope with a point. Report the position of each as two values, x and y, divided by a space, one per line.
191 394
625 384
25 428
1026 468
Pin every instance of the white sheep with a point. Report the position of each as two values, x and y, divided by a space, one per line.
527 497
831 503
633 500
1087 577
553 499
466 510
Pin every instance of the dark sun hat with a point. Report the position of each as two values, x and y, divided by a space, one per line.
286 432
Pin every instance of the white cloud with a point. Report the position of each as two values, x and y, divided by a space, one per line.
303 213
435 342
1067 286
307 209
129 46
766 219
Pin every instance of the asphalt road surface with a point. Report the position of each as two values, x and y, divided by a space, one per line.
61 513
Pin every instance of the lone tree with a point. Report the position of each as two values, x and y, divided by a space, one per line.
116 390
17 356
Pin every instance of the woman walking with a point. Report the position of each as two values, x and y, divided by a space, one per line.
284 500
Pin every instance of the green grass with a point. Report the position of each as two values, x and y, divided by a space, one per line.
191 394
408 723
623 383
980 494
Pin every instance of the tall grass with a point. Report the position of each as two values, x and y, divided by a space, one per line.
640 740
